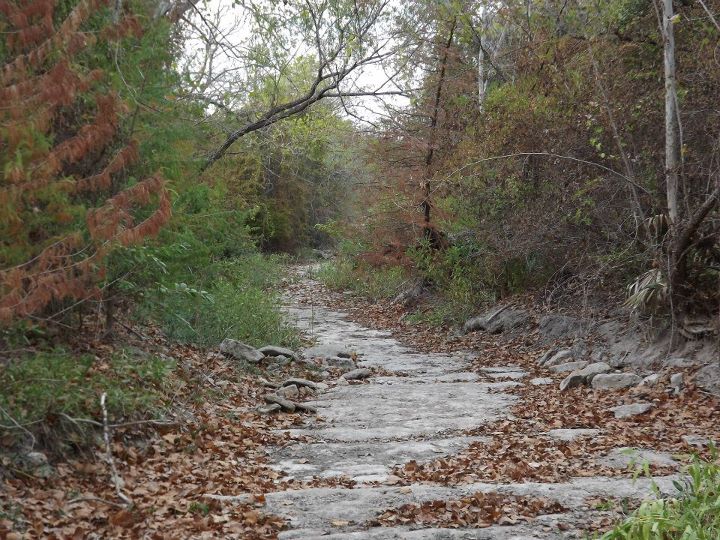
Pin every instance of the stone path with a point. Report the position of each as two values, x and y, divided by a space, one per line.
418 412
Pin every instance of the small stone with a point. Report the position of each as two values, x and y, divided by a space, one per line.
634 409
269 409
595 369
357 374
619 362
328 350
231 499
265 382
541 381
615 381
35 459
290 392
341 381
650 380
569 435
286 404
561 357
338 362
547 356
697 441
569 366
498 320
573 380
273 350
306 408
676 383
37 464
278 362
240 351
300 382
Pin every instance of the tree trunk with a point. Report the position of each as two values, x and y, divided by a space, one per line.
672 150
482 82
682 244
426 206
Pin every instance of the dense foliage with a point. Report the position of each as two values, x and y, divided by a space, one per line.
533 157
66 194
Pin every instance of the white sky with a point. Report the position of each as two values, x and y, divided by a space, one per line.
236 31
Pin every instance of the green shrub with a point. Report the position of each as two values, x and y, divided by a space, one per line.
43 393
204 280
370 282
236 300
693 515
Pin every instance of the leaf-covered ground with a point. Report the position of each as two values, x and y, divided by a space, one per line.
217 446
519 449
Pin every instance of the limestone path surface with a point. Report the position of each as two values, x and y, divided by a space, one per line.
420 410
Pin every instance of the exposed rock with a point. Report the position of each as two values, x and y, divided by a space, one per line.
231 499
498 320
295 381
265 382
328 350
541 381
679 362
561 357
286 404
273 350
306 408
651 380
615 381
556 326
569 435
240 351
37 464
341 381
593 370
546 356
410 297
708 378
269 409
676 383
503 369
622 458
278 362
290 391
339 363
357 374
697 441
584 375
634 409
569 366
619 361
508 375
573 380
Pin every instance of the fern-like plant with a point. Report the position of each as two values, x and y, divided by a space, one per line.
65 194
